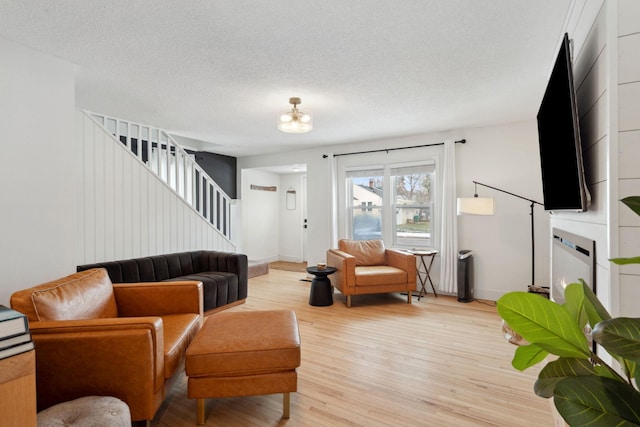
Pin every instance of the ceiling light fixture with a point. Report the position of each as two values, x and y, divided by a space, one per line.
294 120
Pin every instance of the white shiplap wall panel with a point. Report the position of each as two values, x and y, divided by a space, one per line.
628 218
117 183
592 86
629 59
629 154
628 19
629 295
629 11
109 197
126 211
593 125
630 247
588 41
595 169
99 210
629 105
136 208
152 223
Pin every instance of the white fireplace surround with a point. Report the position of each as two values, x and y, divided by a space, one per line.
572 258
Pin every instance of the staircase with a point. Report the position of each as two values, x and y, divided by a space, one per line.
162 155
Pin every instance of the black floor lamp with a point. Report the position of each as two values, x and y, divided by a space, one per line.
484 206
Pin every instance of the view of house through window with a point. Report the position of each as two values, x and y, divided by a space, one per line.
413 205
366 189
404 191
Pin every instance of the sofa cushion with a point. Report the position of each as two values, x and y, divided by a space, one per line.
380 275
218 287
85 295
366 252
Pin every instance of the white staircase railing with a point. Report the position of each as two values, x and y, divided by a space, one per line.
156 149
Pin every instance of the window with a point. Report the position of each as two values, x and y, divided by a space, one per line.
412 204
393 202
365 195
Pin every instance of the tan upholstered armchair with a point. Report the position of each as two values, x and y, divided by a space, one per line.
366 267
93 337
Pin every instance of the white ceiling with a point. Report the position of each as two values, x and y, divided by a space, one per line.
220 71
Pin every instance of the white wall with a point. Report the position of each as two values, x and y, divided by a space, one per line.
260 220
502 156
69 194
39 168
505 157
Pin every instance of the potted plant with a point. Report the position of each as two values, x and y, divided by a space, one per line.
585 389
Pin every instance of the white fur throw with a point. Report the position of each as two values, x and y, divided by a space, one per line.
90 411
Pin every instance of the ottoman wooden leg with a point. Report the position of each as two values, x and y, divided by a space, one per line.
201 406
286 404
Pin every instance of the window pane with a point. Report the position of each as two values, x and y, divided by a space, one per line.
366 191
413 206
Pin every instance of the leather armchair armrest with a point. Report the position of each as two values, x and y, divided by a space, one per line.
345 276
404 261
158 298
121 357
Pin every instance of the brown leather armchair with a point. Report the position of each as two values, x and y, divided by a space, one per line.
366 267
93 337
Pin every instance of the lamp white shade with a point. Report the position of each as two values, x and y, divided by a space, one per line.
475 206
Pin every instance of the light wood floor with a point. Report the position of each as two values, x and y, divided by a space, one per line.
382 362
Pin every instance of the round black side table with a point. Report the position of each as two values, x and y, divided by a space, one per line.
321 294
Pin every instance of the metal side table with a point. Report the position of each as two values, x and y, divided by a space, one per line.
424 270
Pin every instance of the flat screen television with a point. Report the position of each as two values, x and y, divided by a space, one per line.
563 182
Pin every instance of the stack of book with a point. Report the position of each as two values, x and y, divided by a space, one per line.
14 333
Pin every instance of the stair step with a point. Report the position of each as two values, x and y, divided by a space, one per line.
257 268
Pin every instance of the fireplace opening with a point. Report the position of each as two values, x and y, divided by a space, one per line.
572 258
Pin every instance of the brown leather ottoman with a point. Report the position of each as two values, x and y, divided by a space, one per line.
244 354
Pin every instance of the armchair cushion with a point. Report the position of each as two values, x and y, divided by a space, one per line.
366 252
86 295
380 275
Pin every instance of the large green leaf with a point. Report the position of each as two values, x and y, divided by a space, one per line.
526 356
633 203
620 336
558 370
575 302
597 401
625 261
543 323
594 308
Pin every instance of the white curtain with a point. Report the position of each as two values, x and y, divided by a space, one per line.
333 172
449 230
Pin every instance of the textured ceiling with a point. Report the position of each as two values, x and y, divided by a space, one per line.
220 71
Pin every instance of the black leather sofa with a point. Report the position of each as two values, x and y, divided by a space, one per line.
224 275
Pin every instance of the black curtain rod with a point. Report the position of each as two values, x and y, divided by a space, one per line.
324 156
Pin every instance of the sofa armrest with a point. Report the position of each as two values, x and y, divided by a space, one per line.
158 298
404 261
345 264
111 357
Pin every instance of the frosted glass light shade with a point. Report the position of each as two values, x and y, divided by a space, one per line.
475 206
294 120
